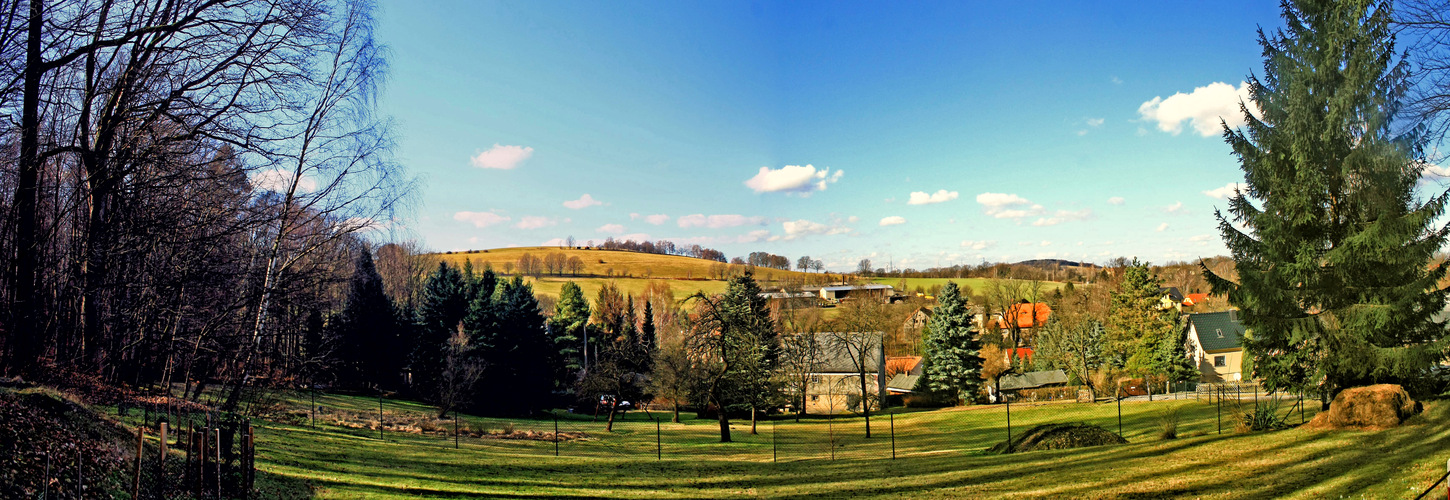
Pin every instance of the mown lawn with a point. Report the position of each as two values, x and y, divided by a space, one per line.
939 455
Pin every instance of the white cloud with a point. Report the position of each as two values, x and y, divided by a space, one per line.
633 236
1024 243
555 242
1063 216
793 179
1176 208
611 229
754 236
1226 191
279 181
1095 122
480 219
535 222
1116 200
853 219
922 198
1008 206
893 220
797 228
1045 243
585 201
718 221
979 245
502 157
1202 108
657 219
1162 227
1201 239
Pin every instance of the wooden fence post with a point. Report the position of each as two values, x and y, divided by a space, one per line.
218 450
161 462
140 450
80 478
201 447
45 481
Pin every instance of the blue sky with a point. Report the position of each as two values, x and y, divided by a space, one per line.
923 134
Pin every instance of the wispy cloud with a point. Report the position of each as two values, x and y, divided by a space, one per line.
979 245
585 201
502 157
794 179
893 220
480 219
718 221
1116 200
1064 216
535 222
802 227
1162 227
279 180
1226 191
1175 209
611 229
1008 206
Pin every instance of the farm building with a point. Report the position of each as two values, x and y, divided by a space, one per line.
868 291
1213 344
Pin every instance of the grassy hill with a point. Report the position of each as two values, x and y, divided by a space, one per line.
976 285
631 271
938 454
616 263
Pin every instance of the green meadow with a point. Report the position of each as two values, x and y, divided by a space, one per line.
938 454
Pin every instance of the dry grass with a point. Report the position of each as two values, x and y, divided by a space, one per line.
940 455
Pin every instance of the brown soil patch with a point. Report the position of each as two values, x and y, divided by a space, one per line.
1375 407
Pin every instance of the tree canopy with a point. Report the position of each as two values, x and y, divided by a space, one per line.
1332 246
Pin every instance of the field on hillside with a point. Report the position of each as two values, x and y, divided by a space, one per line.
607 263
939 454
976 285
633 286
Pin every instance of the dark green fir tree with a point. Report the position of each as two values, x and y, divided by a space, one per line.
1333 247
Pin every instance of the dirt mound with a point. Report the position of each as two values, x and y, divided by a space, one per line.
1372 408
40 423
1059 437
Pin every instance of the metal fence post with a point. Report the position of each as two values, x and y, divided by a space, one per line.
556 433
1009 419
773 446
218 450
1119 397
45 482
380 414
455 431
893 436
1219 414
659 447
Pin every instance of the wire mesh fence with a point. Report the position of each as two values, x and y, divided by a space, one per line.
896 433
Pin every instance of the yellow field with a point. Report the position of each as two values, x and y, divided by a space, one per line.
607 263
629 286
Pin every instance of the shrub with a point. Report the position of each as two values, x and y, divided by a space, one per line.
1264 417
1168 423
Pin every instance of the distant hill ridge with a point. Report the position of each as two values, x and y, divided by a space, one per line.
1047 263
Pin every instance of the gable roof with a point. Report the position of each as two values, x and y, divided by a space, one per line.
1023 314
836 357
1031 380
1209 325
902 383
1194 299
1172 293
902 364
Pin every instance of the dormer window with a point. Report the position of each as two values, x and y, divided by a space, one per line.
1220 332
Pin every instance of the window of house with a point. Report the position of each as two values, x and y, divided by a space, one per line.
815 398
1220 361
815 379
1220 333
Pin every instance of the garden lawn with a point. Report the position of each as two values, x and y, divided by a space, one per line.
939 455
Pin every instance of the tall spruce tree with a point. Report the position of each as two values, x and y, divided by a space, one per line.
368 343
953 362
571 316
518 376
1334 259
444 305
